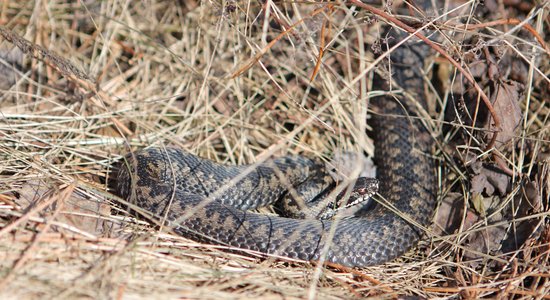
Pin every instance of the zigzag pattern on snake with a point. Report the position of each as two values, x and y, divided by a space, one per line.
206 201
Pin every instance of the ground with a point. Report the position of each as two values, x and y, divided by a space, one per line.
84 82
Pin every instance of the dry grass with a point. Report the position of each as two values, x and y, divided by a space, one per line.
162 75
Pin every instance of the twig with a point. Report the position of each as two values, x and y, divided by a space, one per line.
509 21
59 63
321 48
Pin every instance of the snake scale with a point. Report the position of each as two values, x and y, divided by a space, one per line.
206 201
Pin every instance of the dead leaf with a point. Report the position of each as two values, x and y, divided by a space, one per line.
10 63
449 214
487 240
450 218
478 204
527 203
506 105
497 237
78 211
488 179
344 163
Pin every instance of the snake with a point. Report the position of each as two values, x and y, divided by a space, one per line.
210 202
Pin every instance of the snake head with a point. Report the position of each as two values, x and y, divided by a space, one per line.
359 196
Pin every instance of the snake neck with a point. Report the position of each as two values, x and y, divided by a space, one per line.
403 144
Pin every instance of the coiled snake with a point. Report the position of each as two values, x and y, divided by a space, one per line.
202 200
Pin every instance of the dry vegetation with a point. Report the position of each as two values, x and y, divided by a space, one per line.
163 73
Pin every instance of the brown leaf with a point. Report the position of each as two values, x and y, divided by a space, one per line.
506 105
10 63
488 179
449 214
78 211
450 217
526 203
488 238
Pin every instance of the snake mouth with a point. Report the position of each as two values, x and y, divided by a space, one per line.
359 197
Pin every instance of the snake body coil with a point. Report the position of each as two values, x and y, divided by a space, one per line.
205 201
